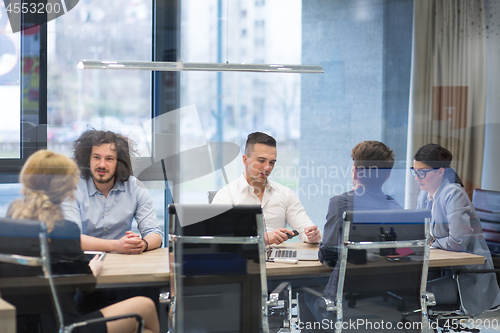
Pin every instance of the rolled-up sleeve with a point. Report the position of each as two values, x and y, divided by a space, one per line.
296 216
145 215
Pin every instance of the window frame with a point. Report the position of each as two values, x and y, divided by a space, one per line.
34 138
165 48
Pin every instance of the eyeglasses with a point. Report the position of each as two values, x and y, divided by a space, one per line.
420 173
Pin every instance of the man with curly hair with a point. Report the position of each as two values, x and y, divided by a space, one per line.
108 197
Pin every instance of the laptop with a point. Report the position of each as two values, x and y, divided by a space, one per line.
299 254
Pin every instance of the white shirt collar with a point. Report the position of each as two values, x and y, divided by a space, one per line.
243 184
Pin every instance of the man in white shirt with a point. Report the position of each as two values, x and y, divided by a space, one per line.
280 204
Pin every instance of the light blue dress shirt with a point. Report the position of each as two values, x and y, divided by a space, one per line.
110 217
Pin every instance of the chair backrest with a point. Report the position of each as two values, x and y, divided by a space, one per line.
487 204
219 268
362 231
405 224
21 236
487 201
24 242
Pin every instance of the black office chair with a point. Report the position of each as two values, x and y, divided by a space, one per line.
444 312
449 313
24 242
487 204
361 231
219 274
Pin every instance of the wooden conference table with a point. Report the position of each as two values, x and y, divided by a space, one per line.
7 317
152 267
438 258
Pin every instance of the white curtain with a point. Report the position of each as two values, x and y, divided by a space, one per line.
448 86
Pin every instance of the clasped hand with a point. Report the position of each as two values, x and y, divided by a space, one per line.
131 243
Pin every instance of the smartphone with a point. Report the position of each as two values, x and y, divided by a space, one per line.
295 233
91 254
388 258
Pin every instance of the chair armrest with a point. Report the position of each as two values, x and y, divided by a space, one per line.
330 305
274 301
165 298
275 294
70 328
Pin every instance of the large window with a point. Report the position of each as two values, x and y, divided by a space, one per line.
363 46
232 105
20 89
74 100
365 50
10 91
109 100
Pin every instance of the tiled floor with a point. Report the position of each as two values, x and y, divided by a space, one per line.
375 315
488 322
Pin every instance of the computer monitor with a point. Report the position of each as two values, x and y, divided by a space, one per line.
369 226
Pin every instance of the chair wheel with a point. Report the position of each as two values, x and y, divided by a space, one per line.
351 303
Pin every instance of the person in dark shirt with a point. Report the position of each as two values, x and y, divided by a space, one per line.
372 165
48 179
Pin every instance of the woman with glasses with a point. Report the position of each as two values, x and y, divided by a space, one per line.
455 226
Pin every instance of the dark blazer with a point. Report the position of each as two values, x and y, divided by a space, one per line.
367 198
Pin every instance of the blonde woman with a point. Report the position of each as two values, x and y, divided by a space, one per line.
48 179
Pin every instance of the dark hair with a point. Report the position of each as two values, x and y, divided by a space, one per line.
124 150
373 161
258 137
437 157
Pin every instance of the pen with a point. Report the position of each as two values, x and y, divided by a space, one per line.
283 261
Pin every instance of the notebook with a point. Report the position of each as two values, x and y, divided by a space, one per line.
299 254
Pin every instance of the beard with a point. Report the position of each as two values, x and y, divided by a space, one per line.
102 179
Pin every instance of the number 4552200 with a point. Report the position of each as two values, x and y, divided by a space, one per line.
33 8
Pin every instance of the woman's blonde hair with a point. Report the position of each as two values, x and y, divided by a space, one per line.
48 179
